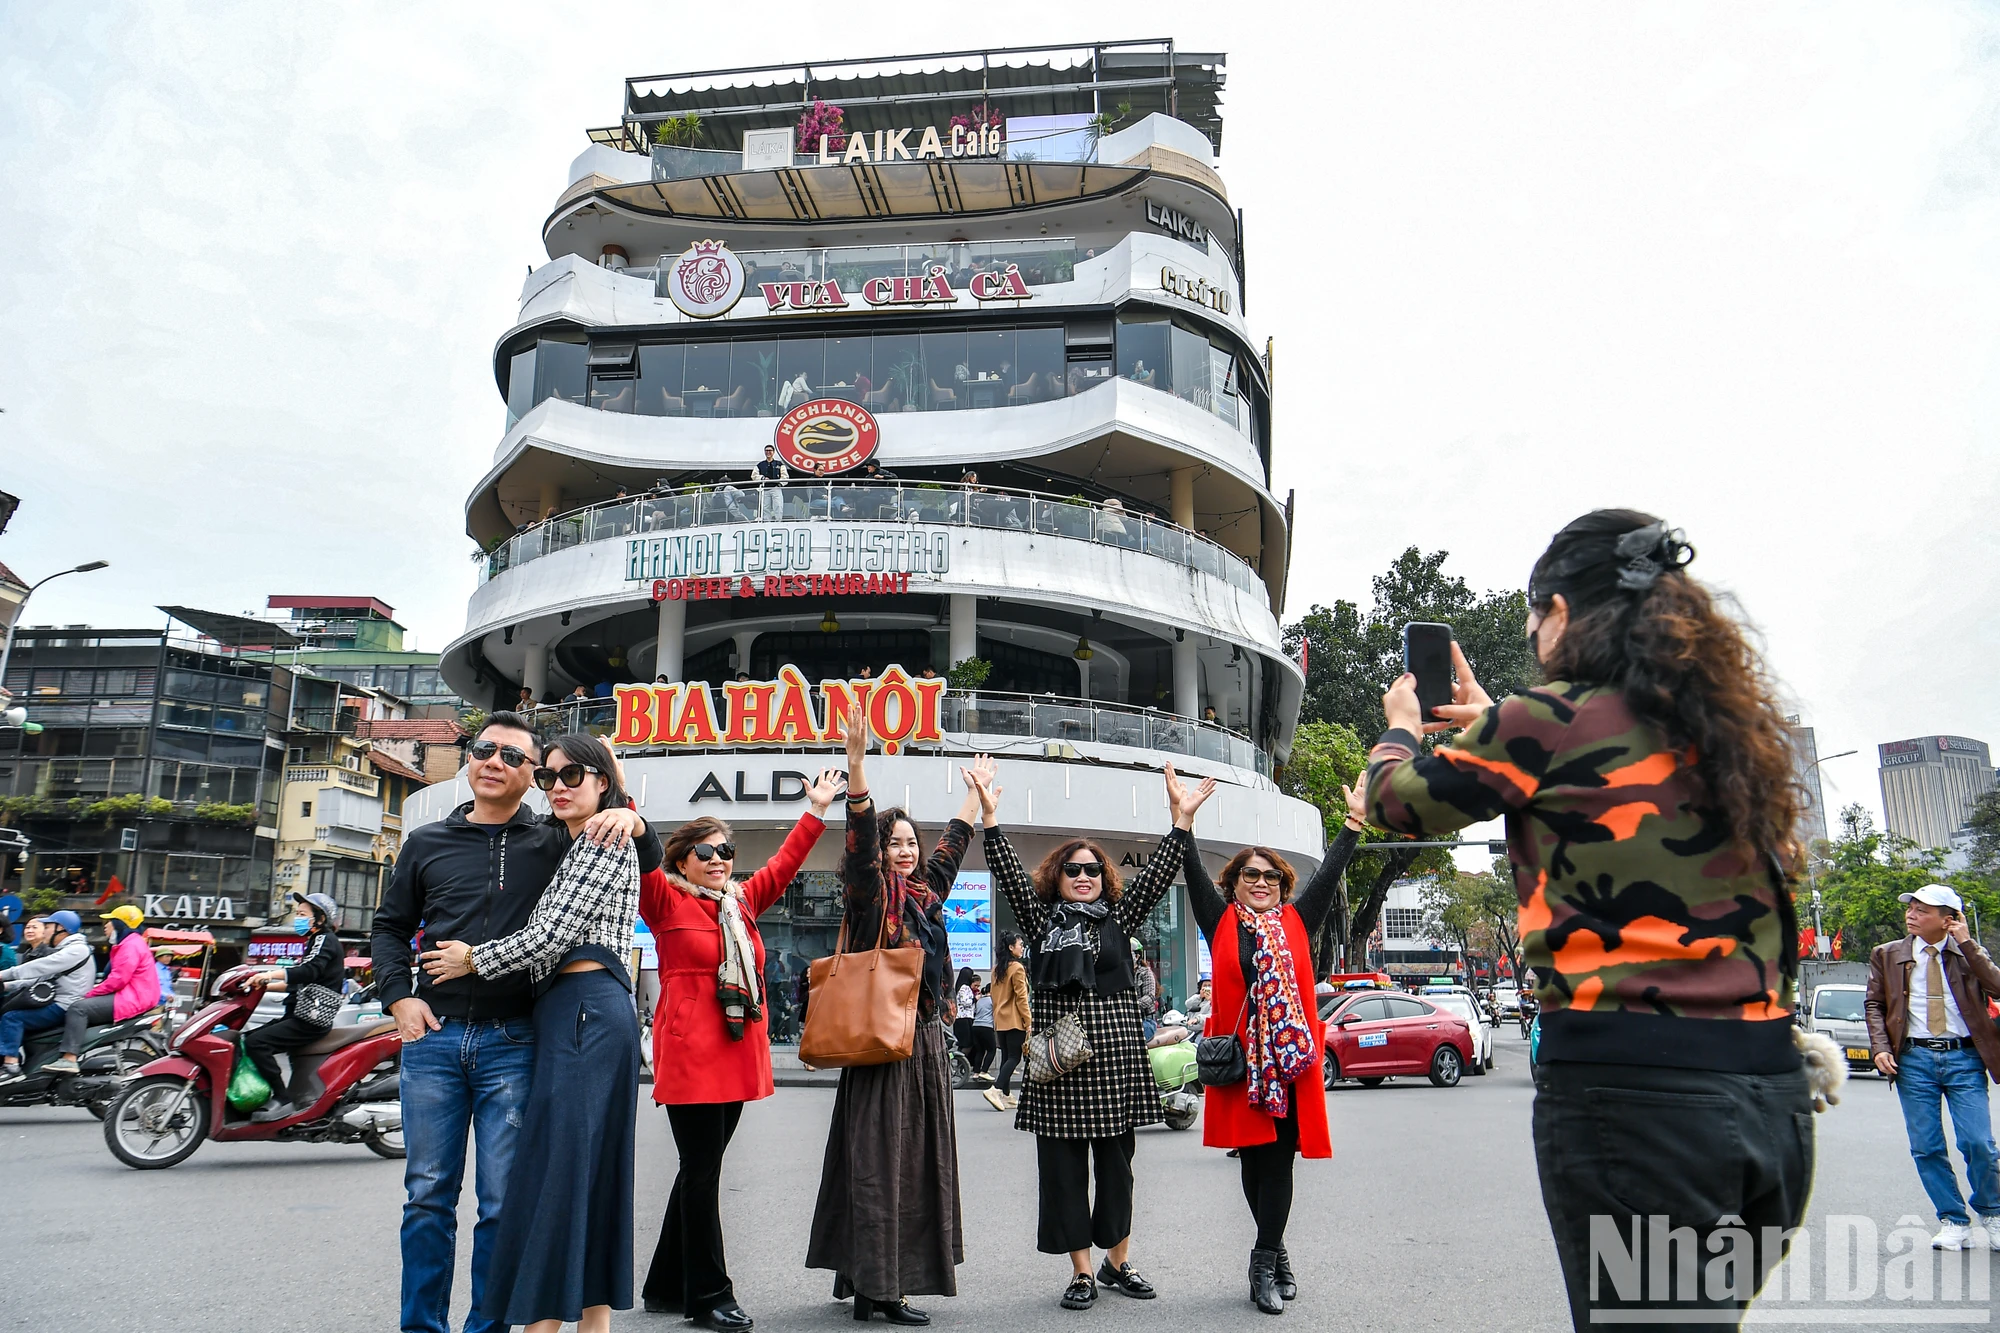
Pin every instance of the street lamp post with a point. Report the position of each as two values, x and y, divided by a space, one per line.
1822 946
7 652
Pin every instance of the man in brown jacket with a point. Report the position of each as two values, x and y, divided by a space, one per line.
1929 1032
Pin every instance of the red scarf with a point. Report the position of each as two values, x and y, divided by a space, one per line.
1279 1046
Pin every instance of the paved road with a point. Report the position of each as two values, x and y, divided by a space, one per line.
1429 1217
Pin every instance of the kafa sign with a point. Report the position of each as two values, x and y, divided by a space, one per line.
901 711
827 435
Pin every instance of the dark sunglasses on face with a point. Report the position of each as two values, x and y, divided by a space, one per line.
511 755
710 851
569 775
1082 869
1252 875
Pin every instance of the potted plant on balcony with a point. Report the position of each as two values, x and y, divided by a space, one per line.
966 677
824 120
675 156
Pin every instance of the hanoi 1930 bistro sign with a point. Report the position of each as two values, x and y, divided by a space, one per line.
792 548
901 711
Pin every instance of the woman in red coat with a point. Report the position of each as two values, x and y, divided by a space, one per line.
711 1045
1260 938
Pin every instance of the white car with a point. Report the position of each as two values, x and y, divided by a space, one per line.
1508 1000
1461 1003
1836 1011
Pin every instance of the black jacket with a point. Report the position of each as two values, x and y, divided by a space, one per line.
325 964
456 881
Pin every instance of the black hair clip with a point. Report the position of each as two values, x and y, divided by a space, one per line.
1648 552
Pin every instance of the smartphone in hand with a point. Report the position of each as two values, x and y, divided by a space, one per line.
1427 656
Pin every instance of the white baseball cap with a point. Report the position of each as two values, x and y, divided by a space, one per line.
1937 895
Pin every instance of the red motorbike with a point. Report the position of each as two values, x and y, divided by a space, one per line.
347 1084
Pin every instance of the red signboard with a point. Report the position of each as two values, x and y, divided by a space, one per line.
901 711
780 585
827 435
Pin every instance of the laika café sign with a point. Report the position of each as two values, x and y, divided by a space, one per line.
901 711
894 146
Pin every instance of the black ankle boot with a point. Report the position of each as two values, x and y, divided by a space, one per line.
1288 1286
1264 1281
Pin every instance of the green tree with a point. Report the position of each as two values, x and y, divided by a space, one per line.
1325 757
1984 822
1475 910
1870 868
1351 658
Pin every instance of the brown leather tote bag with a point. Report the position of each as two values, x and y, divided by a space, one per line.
864 1004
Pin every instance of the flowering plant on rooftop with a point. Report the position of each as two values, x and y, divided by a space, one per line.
824 119
981 116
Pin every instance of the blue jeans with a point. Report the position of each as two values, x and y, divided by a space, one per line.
466 1072
1923 1077
16 1023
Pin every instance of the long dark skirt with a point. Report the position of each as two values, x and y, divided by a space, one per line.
565 1239
887 1220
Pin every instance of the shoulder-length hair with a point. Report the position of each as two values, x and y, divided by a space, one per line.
1638 622
885 824
681 842
1288 879
1048 875
593 753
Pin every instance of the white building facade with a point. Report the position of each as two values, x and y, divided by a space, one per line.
1018 297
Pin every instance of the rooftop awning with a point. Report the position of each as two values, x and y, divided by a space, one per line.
234 631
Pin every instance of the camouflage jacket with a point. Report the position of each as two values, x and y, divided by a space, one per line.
1637 911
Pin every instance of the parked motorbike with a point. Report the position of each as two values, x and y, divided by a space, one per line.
1172 1054
111 1054
347 1086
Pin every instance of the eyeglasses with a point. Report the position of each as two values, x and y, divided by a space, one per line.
511 755
715 851
1083 869
1252 875
569 775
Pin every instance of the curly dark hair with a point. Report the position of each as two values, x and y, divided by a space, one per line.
885 824
1048 875
1637 621
1288 878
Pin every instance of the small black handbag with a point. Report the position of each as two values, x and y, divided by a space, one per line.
43 992
1219 1061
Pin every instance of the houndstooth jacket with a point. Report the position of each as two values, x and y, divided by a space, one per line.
1113 1091
593 900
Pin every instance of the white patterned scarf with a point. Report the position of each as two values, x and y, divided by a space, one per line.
736 980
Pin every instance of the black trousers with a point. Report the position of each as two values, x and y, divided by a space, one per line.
1069 1219
1267 1180
1011 1042
1657 1157
263 1044
961 1032
983 1046
689 1272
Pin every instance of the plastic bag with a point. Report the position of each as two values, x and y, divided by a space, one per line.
247 1088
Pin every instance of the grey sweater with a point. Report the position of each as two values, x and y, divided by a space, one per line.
71 985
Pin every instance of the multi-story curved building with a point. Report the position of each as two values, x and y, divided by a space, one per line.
1013 282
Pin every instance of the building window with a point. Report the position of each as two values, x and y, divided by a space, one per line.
1401 923
305 809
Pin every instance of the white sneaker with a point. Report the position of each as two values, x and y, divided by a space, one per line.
995 1098
1993 1232
1951 1236
1976 1236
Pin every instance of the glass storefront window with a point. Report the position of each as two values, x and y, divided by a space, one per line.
1040 366
753 378
898 373
801 369
1222 383
658 392
705 385
1190 360
1143 351
945 369
561 370
614 393
193 716
521 384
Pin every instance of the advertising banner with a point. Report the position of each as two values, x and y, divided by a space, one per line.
968 920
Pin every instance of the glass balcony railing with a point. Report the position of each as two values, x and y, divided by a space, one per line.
991 713
1108 524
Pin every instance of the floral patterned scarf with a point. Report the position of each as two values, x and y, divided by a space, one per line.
1278 1046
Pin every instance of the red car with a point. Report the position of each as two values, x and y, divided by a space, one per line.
1372 1034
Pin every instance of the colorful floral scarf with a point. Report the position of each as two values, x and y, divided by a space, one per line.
1278 1045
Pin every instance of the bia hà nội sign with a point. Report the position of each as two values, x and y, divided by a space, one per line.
902 711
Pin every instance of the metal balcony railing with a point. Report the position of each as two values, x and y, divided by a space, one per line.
1108 524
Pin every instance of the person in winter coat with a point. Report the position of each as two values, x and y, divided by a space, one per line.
1012 1017
68 964
312 997
130 987
711 1038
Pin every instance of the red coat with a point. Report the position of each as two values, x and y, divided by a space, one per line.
694 1057
1228 1120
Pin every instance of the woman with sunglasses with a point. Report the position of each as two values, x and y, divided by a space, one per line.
711 1038
1083 918
564 1248
1260 938
887 1221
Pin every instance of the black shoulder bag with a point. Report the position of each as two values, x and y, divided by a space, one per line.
1219 1061
43 992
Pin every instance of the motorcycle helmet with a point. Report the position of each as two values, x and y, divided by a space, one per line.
69 922
130 915
326 908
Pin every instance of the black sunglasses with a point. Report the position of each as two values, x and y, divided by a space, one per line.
511 755
1083 869
709 851
570 775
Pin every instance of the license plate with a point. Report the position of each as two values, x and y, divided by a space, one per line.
1859 1053
1373 1039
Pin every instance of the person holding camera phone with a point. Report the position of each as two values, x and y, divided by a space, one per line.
1651 806
1260 941
1928 1030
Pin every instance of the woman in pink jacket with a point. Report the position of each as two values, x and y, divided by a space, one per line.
130 987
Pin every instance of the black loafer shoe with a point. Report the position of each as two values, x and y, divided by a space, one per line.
1081 1293
1125 1278
727 1317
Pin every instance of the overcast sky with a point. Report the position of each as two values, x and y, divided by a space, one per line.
1738 265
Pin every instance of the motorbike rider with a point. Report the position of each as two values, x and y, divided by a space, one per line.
130 987
308 1014
70 968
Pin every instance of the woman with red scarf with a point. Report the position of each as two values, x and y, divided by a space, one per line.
887 1221
1260 937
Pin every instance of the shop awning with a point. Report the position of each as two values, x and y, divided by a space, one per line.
161 935
356 960
234 631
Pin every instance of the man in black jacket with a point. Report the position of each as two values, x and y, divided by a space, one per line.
469 1043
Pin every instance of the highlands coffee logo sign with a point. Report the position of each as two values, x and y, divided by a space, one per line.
827 435
901 711
706 281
